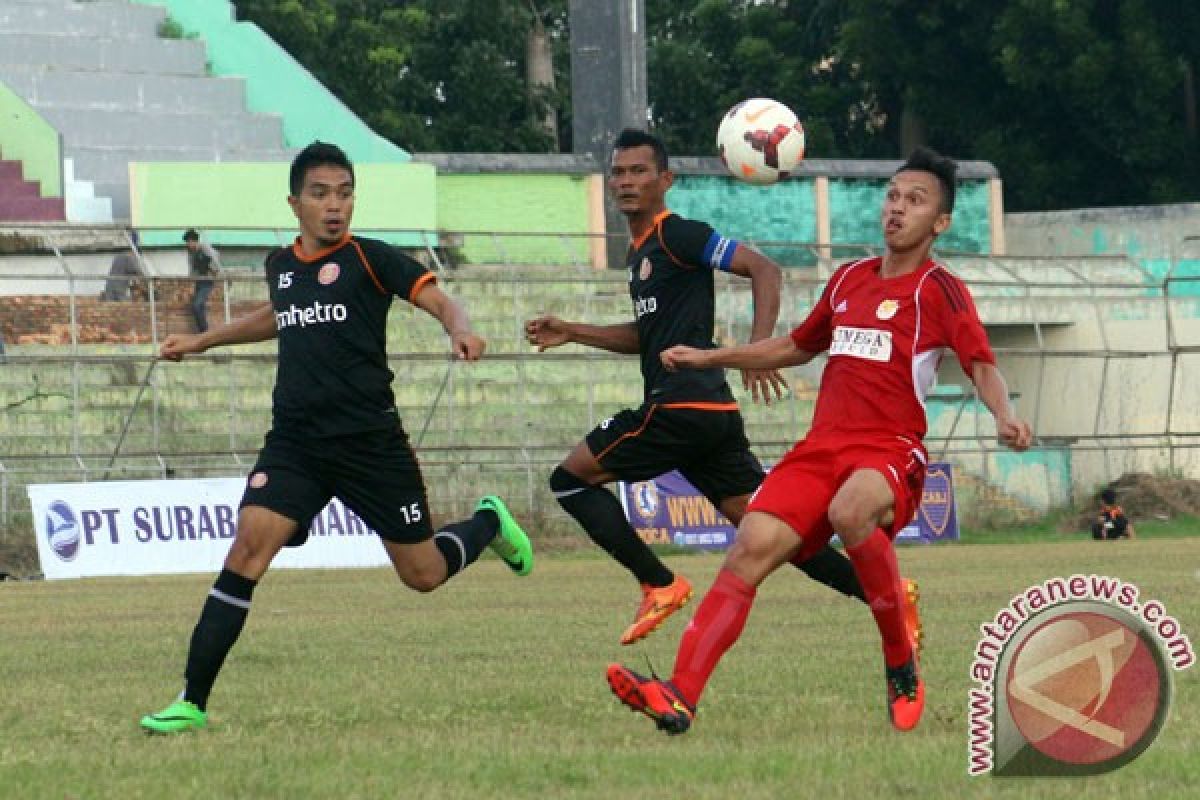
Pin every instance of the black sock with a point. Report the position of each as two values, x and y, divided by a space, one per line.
220 623
833 569
600 514
462 542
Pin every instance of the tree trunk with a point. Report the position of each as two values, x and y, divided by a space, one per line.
539 76
913 133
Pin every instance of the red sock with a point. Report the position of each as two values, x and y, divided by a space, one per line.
875 562
716 626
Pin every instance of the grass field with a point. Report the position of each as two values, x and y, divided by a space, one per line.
346 685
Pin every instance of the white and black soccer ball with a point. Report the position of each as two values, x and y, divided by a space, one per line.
760 140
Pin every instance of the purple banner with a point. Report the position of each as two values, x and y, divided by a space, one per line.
669 510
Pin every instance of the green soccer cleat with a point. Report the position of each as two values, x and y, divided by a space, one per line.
178 717
511 543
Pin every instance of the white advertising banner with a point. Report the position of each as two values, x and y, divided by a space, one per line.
160 527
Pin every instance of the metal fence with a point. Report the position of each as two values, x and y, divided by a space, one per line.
1101 355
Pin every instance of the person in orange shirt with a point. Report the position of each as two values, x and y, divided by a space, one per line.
1111 522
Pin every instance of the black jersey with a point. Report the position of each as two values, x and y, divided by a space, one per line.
671 284
331 313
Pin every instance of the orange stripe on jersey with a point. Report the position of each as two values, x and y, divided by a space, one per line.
658 218
370 269
320 253
703 406
625 436
428 277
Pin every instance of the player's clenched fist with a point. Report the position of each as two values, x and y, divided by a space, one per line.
546 332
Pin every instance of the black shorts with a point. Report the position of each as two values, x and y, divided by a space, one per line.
709 447
375 474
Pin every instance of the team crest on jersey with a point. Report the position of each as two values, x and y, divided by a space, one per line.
887 309
647 268
328 273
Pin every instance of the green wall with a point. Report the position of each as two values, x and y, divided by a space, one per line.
216 198
26 137
782 212
276 83
516 204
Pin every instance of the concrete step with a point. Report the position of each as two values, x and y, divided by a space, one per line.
57 87
84 127
89 51
31 209
114 19
11 171
111 164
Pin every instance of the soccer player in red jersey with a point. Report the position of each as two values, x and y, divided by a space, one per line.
885 322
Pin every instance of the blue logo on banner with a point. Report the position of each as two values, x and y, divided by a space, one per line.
937 500
645 499
62 530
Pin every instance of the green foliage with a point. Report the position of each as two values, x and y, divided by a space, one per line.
1077 102
430 75
171 29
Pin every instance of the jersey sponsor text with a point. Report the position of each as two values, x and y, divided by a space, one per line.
317 314
868 343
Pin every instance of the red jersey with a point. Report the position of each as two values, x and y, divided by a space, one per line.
885 339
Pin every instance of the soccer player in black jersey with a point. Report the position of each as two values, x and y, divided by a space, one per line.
688 420
335 429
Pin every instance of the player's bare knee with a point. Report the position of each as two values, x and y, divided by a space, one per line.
421 580
750 549
850 520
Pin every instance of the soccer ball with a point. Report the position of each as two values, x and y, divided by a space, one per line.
760 140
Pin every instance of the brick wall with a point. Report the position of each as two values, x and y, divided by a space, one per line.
46 319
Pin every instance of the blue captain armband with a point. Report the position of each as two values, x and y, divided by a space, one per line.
718 252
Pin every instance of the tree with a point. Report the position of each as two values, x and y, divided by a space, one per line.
1077 102
447 75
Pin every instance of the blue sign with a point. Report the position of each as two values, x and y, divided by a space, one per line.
669 510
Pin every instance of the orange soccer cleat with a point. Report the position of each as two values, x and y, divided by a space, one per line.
658 700
906 695
658 603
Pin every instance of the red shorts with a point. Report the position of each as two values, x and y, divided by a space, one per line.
799 489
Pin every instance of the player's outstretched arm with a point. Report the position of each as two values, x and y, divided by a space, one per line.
549 331
773 353
1012 431
257 326
464 343
766 281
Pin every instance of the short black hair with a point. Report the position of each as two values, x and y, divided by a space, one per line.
633 137
190 235
1109 497
926 159
317 154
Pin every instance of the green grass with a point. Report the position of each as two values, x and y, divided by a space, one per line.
346 685
1052 528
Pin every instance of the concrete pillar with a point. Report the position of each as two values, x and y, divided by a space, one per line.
608 85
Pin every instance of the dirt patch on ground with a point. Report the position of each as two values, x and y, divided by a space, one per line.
1144 496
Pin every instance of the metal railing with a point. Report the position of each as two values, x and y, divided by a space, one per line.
1073 332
